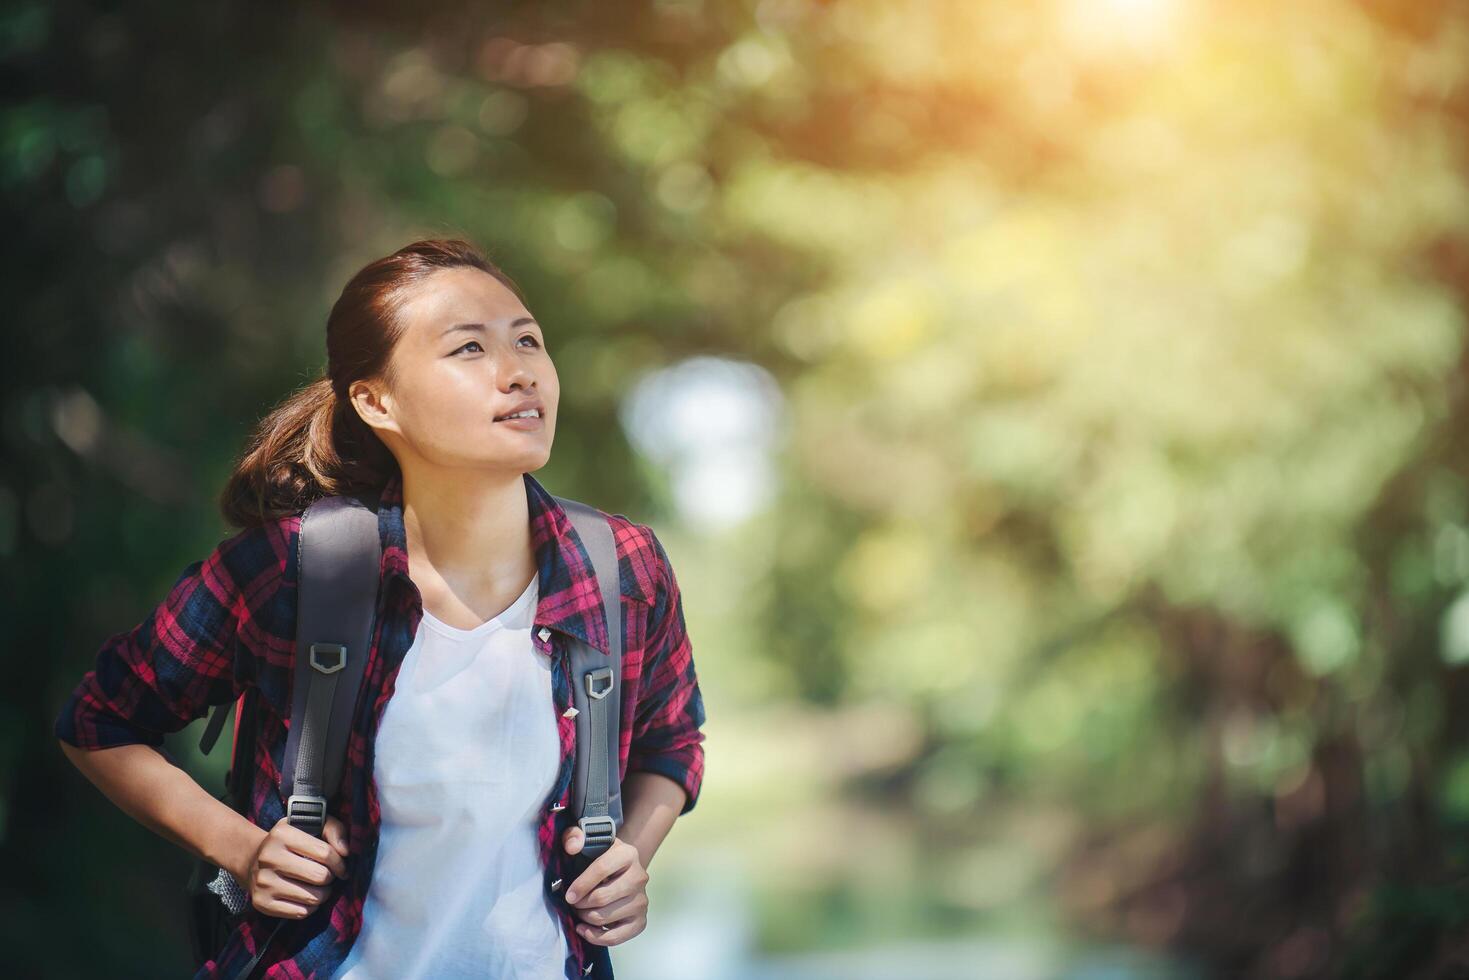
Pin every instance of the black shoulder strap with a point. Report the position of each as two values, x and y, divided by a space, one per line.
597 788
338 557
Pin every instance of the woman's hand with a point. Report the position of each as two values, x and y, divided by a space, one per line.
611 895
292 871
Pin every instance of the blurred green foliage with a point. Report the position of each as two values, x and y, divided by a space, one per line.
1122 353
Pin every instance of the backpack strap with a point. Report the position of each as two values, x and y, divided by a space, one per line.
597 787
338 557
336 588
216 722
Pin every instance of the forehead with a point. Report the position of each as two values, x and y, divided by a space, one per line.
459 295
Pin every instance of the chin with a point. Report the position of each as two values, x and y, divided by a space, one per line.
531 462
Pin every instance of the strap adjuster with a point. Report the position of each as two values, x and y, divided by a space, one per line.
600 674
332 650
307 813
599 833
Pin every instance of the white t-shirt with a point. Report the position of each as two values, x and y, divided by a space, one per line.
467 753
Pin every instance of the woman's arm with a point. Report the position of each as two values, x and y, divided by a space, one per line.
650 805
160 676
664 771
666 738
146 786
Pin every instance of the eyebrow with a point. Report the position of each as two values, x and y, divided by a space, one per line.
480 327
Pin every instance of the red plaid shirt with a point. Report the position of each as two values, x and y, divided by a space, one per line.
230 622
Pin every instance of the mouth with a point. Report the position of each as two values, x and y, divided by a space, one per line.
527 415
522 419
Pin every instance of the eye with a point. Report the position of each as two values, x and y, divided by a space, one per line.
474 342
532 338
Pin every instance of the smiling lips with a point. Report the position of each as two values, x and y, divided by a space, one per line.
528 405
517 421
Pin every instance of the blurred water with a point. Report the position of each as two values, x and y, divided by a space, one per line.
701 923
979 957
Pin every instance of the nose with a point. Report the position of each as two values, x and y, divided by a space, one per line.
513 372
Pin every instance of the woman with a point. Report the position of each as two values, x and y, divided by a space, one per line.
440 398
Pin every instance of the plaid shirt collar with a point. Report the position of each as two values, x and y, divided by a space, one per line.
570 600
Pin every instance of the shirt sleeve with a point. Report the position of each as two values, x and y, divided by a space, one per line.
666 738
168 670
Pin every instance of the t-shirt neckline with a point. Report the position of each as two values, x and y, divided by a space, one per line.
511 615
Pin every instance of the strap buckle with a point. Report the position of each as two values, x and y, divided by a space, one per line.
307 812
600 674
600 833
333 650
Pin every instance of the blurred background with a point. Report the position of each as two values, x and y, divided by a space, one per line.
1055 413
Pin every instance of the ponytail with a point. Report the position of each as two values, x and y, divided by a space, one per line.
311 445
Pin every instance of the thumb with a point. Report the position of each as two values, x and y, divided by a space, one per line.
572 840
335 835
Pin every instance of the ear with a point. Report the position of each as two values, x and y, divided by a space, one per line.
373 404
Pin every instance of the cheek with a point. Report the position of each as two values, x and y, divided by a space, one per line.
443 411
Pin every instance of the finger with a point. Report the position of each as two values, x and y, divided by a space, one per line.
292 890
337 864
336 835
303 869
614 888
310 896
305 845
587 881
284 909
573 840
338 860
610 913
602 928
611 936
610 861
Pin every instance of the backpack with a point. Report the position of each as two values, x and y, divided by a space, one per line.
339 553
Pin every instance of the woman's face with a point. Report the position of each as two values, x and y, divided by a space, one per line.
470 353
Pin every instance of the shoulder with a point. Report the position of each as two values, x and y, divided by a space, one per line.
258 566
642 561
258 560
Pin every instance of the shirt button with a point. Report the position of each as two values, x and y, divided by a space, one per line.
544 634
587 970
556 884
558 808
570 713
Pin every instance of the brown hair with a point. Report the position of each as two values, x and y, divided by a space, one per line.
314 444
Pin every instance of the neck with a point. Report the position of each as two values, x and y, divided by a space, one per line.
469 526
